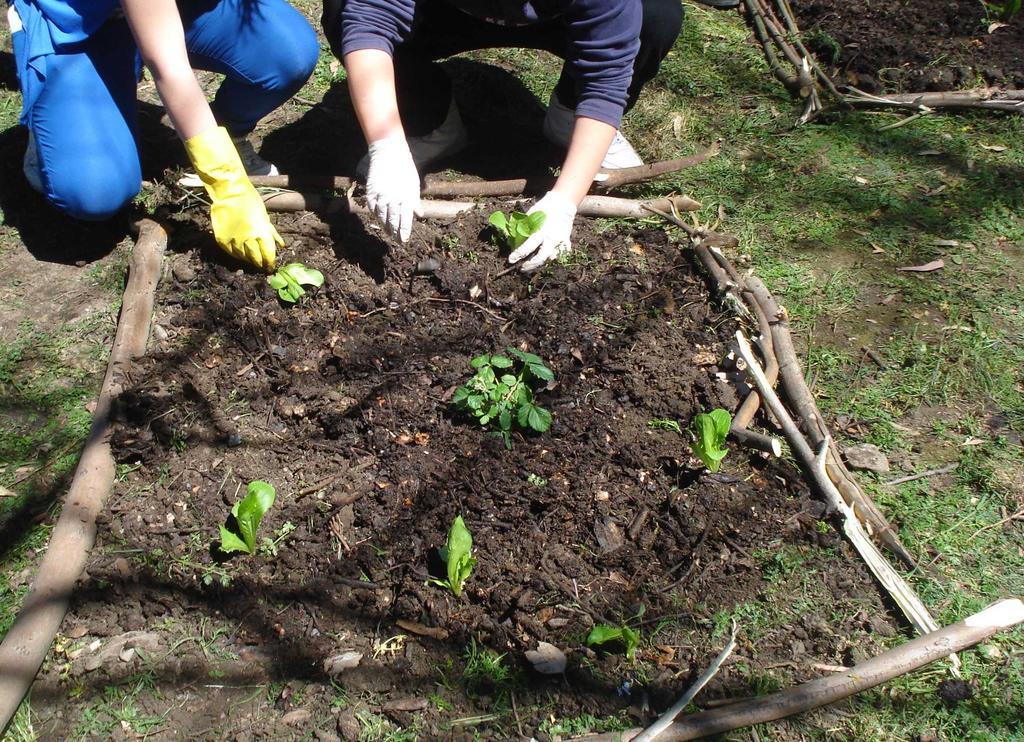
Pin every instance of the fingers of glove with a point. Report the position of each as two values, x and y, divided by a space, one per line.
524 250
539 258
278 240
408 208
252 252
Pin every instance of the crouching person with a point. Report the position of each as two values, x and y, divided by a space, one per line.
79 62
611 48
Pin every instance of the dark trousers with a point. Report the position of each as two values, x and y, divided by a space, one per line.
440 30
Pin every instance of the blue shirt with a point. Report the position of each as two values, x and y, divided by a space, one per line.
604 37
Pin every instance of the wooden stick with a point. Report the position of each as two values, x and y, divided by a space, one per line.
665 721
802 401
901 660
29 638
922 475
995 99
813 466
437 188
593 206
758 441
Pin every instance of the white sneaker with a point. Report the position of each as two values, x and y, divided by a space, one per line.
251 161
558 125
444 141
30 164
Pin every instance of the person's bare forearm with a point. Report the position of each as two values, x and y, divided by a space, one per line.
157 29
587 148
371 84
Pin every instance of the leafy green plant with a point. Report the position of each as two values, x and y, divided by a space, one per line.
516 227
289 280
269 546
603 635
457 554
710 430
240 533
499 396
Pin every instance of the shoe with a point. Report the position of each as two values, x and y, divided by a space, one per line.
30 164
251 161
444 141
558 125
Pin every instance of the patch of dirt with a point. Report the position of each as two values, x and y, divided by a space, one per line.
913 46
601 520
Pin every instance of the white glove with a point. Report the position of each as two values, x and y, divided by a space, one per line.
553 237
393 185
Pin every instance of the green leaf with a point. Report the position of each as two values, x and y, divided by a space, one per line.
277 282
505 420
535 221
499 222
501 362
538 418
710 430
460 561
480 361
541 371
249 512
528 358
523 416
302 275
229 542
460 395
603 634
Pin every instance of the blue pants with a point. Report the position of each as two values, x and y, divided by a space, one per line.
84 121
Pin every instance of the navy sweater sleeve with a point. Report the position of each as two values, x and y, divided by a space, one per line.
375 24
605 38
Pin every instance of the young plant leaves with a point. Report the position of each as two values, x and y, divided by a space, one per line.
248 513
289 280
500 393
460 555
710 430
517 227
603 634
457 554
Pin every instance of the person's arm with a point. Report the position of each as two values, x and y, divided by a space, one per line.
371 84
156 26
392 181
239 218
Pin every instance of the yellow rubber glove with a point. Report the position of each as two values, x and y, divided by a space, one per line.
240 222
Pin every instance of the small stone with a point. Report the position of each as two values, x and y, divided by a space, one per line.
867 457
609 536
159 332
336 665
297 717
406 705
348 725
183 272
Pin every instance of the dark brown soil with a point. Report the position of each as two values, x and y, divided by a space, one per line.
916 45
602 519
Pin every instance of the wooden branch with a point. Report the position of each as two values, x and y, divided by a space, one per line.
593 206
656 729
802 402
29 638
995 99
758 441
438 188
901 660
813 466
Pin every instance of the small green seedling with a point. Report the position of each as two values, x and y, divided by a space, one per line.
289 280
457 554
500 397
664 424
516 227
247 513
623 636
710 430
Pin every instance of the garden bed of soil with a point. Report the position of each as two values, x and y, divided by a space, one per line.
604 519
913 46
